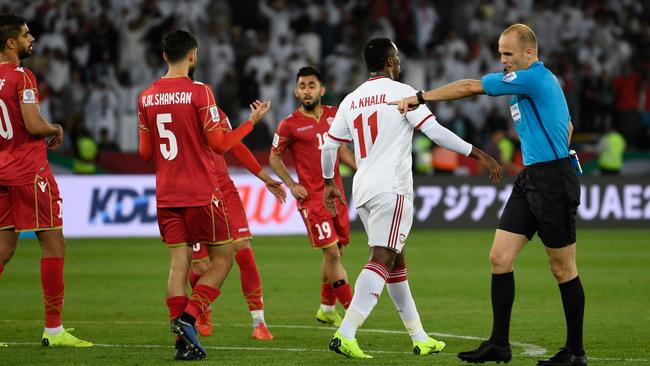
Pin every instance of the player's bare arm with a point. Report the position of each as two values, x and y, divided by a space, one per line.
452 91
38 126
273 186
494 169
347 157
570 131
246 157
277 164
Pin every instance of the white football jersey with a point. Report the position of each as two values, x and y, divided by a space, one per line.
383 137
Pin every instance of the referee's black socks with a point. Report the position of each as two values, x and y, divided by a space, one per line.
503 295
573 300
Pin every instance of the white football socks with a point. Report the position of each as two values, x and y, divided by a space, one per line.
400 293
327 308
258 317
54 331
367 290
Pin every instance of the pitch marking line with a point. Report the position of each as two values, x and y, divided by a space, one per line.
530 350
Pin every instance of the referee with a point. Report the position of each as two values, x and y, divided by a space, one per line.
545 196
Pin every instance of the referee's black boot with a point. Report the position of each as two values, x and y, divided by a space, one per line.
564 358
487 351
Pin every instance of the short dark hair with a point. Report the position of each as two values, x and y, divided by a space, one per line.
307 71
177 44
376 52
10 25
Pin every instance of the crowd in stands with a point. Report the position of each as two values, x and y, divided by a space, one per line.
92 58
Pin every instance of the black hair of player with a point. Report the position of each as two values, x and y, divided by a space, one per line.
376 52
177 44
308 71
10 25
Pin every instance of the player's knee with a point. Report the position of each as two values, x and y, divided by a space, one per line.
500 261
7 254
562 270
332 254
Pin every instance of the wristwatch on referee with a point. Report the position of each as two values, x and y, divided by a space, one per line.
420 97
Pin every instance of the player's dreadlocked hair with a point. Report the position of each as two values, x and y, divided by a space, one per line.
10 28
376 52
177 44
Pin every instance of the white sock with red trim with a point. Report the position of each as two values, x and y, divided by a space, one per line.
400 293
367 290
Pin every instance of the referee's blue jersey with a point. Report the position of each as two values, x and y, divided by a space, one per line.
537 100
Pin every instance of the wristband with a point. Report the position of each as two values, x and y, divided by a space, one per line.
420 97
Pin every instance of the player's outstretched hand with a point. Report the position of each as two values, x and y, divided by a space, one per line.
298 192
258 110
55 141
330 195
494 169
406 104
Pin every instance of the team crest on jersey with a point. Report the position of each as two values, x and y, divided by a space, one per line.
29 96
214 112
330 120
509 77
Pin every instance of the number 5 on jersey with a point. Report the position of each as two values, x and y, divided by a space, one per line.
360 127
168 152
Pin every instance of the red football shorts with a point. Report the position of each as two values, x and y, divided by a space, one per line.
188 225
237 221
199 252
323 229
31 207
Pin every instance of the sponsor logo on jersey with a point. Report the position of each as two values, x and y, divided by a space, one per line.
509 77
305 128
19 69
29 96
42 185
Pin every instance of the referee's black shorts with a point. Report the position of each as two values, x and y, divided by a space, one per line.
544 199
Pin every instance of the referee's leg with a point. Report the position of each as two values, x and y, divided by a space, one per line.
562 262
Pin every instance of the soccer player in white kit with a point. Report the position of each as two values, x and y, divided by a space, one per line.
383 189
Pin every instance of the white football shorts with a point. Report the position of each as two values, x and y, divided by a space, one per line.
387 218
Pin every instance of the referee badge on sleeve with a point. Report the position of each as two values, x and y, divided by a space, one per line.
509 77
29 96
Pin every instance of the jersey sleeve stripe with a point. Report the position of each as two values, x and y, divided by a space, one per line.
338 139
423 120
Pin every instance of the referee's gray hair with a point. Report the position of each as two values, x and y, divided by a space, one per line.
525 34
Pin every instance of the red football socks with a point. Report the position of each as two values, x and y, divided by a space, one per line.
202 297
53 287
251 284
176 306
327 294
343 292
194 278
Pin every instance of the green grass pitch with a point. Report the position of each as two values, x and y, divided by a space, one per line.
115 297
